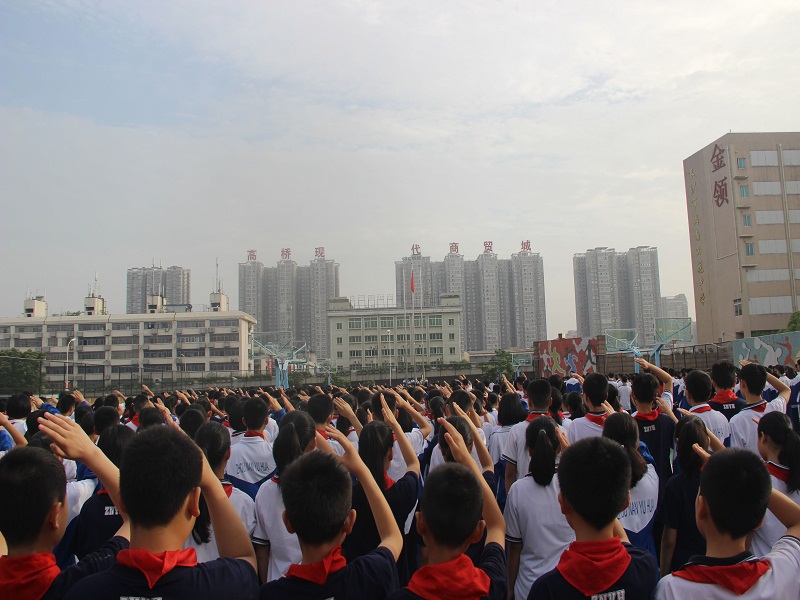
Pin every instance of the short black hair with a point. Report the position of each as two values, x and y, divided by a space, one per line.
461 425
462 399
114 440
139 402
66 402
755 376
452 503
214 440
723 374
317 492
510 411
32 480
105 417
190 421
595 386
255 413
18 406
698 386
159 468
736 486
150 416
595 478
538 391
320 407
645 387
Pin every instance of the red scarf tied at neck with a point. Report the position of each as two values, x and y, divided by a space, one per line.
28 576
651 416
738 578
457 579
596 418
592 567
318 572
155 566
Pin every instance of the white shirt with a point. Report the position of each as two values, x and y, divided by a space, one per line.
79 492
533 518
284 548
515 451
624 391
771 529
779 582
20 425
497 441
397 468
744 431
245 508
251 459
644 499
271 430
437 458
714 420
583 428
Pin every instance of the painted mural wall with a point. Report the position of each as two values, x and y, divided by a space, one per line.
768 350
557 357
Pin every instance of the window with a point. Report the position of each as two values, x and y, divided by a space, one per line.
387 351
435 320
451 322
338 355
387 322
437 350
436 336
419 351
403 322
370 338
387 338
747 220
749 249
221 337
371 352
355 339
124 326
744 191
97 341
419 337
355 353
419 321
370 322
223 323
452 336
741 163
354 324
223 351
92 327
188 324
338 325
338 340
198 338
452 350
124 340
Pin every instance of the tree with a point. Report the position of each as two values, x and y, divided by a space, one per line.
20 370
499 365
794 323
339 380
297 378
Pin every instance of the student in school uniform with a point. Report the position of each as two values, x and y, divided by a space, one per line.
681 539
744 427
509 413
213 439
624 391
276 548
725 400
595 475
317 493
595 393
735 492
459 404
536 530
18 408
779 446
698 388
417 437
639 517
251 462
447 533
162 475
139 402
515 451
99 518
33 514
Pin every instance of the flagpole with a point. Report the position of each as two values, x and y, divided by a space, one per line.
413 341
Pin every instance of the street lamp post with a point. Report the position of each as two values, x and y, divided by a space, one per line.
66 372
391 354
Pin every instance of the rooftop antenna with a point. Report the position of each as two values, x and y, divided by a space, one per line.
216 276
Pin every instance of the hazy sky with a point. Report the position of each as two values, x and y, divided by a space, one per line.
182 131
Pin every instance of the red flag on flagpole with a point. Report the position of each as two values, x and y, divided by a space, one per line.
412 282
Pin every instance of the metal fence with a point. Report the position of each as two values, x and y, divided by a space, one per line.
701 356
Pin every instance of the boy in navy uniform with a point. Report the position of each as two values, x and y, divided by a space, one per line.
317 493
34 511
454 499
735 492
595 476
725 400
161 477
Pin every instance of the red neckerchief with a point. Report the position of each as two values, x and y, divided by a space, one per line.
561 415
276 480
738 578
318 572
591 567
135 421
724 397
700 408
351 430
759 407
534 414
456 579
324 434
388 480
28 576
651 416
102 492
228 487
597 418
778 471
155 566
227 424
251 433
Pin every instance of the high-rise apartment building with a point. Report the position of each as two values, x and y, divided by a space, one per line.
291 298
743 198
617 290
173 285
674 307
503 299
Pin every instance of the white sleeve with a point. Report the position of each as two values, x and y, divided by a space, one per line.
417 440
738 437
259 533
513 530
785 562
510 449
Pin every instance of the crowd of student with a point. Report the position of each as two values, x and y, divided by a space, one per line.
653 484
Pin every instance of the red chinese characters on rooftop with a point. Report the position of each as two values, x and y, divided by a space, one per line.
286 253
319 252
487 246
251 255
453 247
415 250
526 246
717 158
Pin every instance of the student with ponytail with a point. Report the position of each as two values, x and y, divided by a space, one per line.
536 530
376 450
779 446
638 517
276 548
215 442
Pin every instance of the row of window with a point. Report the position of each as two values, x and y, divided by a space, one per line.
370 352
392 322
